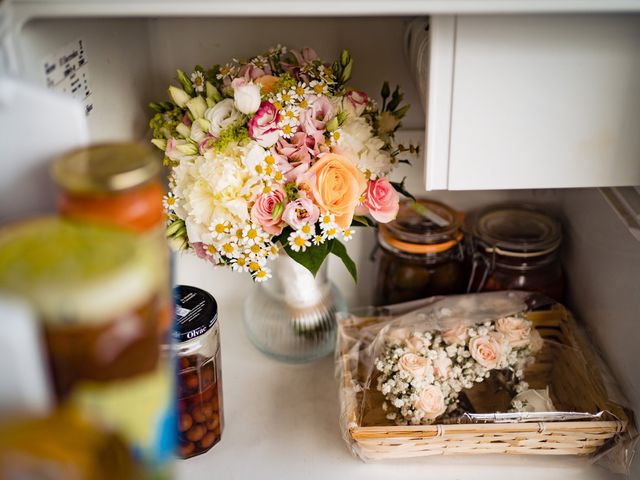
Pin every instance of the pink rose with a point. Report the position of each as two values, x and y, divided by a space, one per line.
299 212
263 127
355 102
298 149
265 213
382 200
516 330
414 344
431 402
314 119
413 364
486 350
456 335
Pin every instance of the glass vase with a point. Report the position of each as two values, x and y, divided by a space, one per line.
292 316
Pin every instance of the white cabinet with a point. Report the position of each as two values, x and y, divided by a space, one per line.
533 101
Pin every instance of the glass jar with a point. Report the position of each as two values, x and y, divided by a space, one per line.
197 348
420 254
95 291
117 184
516 247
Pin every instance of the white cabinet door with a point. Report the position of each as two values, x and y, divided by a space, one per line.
537 101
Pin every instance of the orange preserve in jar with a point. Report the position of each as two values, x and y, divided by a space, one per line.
420 254
115 183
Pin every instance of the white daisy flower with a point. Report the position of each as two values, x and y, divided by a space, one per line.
229 249
240 264
287 130
285 97
307 230
256 264
219 229
327 220
198 81
347 234
301 90
290 115
272 251
169 202
335 137
319 239
298 241
319 88
255 251
253 234
262 275
331 232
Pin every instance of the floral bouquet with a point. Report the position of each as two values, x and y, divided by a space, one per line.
276 151
423 373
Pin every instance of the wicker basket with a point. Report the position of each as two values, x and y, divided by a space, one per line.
572 383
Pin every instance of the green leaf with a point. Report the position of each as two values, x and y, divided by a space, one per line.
400 188
362 221
312 258
185 81
339 250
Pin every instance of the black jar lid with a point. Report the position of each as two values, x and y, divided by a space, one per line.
517 230
424 226
196 312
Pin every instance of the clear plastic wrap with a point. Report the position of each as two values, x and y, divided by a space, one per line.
500 372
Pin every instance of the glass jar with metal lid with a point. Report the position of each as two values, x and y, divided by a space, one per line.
197 347
421 254
516 247
116 183
95 290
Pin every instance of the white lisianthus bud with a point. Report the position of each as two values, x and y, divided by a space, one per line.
187 149
183 130
222 115
179 96
197 106
246 96
160 143
204 124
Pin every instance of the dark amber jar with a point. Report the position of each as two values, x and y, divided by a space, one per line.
517 248
420 254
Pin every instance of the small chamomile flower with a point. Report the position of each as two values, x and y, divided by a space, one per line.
307 229
253 234
197 78
331 232
298 241
229 249
272 251
287 130
169 202
262 275
284 97
290 115
255 251
211 250
347 234
327 219
335 137
219 229
301 90
319 239
240 264
255 264
319 88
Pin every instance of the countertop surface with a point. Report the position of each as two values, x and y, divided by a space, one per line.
281 420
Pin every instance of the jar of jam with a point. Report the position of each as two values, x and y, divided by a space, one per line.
95 291
197 347
516 247
421 254
116 183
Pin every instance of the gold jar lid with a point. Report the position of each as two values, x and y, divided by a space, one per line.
108 167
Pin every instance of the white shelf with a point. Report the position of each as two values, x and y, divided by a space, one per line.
282 420
198 8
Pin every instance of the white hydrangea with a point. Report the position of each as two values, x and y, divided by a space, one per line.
357 140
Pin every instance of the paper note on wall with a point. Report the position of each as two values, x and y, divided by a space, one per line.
67 71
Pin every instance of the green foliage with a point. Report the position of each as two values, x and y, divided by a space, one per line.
400 188
362 221
234 134
164 124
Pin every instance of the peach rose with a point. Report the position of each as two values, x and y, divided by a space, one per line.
413 364
431 402
336 186
398 335
456 335
266 82
442 367
516 330
486 350
415 344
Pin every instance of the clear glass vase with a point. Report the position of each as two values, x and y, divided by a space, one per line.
292 316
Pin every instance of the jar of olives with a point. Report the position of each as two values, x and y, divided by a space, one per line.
420 254
197 347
